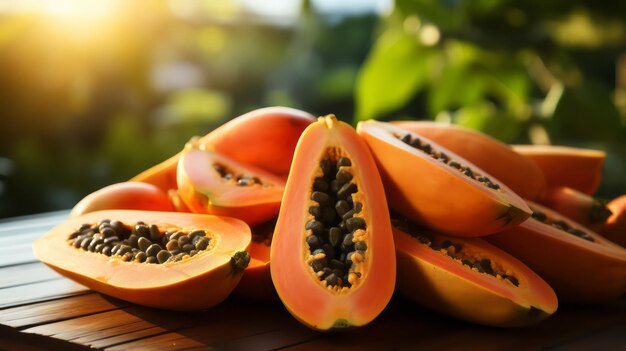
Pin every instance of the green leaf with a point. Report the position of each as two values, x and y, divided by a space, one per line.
394 72
585 113
486 118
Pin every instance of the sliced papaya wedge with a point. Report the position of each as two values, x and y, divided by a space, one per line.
332 255
264 138
256 283
517 172
580 169
579 264
468 278
211 183
438 188
139 256
577 206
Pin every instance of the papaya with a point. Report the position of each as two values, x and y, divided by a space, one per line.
468 278
332 254
438 188
256 283
517 172
578 206
579 169
614 228
124 196
168 260
580 265
215 184
264 138
176 201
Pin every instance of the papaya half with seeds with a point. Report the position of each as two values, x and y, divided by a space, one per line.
215 184
124 196
468 278
438 188
614 228
168 260
577 206
579 169
579 264
332 254
256 283
264 138
517 172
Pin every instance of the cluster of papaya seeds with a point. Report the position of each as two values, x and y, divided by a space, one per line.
332 254
468 278
438 188
157 259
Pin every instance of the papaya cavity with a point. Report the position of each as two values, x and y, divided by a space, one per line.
337 237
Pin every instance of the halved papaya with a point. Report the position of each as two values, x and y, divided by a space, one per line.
256 283
614 228
579 264
264 138
580 169
167 260
332 254
577 206
211 183
124 196
494 157
468 278
438 188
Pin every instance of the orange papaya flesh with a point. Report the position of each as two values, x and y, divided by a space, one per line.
177 201
579 264
124 196
519 173
438 188
264 138
614 228
578 206
468 278
215 184
256 283
136 265
579 169
332 255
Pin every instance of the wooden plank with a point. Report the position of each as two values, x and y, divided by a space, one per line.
60 309
42 291
292 334
26 274
229 321
16 255
25 224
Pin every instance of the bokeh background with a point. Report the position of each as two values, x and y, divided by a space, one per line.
94 91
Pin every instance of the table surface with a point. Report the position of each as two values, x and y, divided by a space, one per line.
39 310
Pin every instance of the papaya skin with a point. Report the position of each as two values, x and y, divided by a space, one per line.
579 270
125 196
519 173
264 138
196 283
204 190
435 195
614 228
303 294
438 282
577 206
579 169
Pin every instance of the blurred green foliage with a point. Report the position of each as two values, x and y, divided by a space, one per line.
89 101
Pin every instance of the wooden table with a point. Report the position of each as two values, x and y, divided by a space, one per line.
40 309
